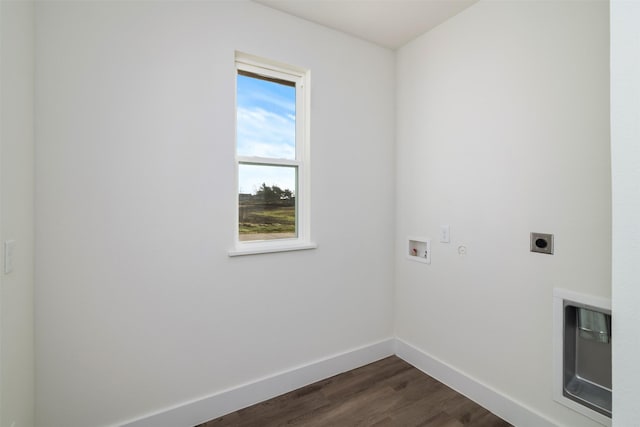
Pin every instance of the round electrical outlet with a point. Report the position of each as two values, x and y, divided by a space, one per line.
541 243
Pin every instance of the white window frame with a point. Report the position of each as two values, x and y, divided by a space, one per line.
300 77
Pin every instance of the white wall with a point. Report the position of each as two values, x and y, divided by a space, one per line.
16 201
139 308
625 157
502 129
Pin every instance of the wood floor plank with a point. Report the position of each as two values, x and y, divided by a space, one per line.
387 393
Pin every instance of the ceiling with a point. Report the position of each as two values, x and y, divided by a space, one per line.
388 23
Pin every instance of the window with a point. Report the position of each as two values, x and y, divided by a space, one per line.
272 156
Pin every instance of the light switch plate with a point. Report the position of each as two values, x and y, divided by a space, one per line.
444 234
9 248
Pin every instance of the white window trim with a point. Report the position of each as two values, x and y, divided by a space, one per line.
301 78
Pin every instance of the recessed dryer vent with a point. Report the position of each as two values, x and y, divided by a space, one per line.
583 354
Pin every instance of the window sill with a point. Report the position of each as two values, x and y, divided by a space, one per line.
260 248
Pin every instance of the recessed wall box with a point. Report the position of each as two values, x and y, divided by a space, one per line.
419 249
582 354
541 243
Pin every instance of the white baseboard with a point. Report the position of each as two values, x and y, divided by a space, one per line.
192 413
496 402
198 411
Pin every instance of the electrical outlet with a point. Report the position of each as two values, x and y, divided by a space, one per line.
541 243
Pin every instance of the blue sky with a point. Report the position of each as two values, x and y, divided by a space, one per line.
266 128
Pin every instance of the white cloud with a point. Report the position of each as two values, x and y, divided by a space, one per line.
281 102
251 177
265 134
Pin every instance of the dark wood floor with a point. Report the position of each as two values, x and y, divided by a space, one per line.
389 392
